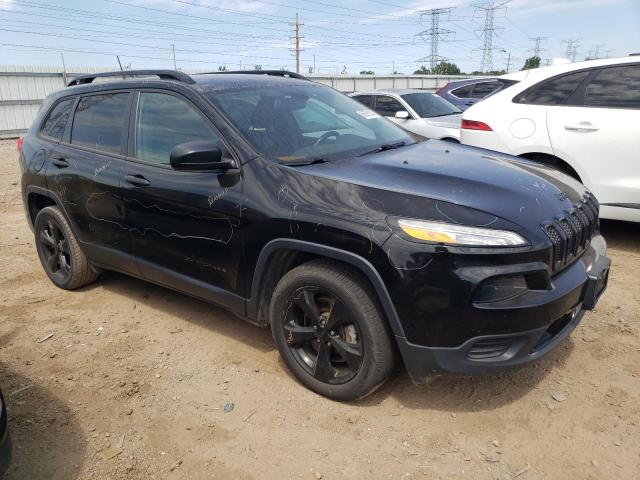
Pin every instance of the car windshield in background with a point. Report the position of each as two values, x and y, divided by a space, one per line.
305 122
429 105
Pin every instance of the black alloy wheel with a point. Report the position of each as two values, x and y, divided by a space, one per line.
323 335
55 251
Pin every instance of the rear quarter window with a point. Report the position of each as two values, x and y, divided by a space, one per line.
463 92
56 122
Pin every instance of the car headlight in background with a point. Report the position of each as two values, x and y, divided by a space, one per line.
460 235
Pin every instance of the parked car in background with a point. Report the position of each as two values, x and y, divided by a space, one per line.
582 118
296 208
464 93
417 111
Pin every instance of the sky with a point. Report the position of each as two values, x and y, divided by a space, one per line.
336 37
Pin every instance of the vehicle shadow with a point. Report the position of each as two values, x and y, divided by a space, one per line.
46 441
457 393
623 236
186 308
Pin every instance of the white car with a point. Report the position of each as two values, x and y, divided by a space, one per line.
582 118
417 111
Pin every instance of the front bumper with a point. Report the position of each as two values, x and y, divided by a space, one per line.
574 291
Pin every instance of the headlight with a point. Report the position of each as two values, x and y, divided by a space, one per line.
438 232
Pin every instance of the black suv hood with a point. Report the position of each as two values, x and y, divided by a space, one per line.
511 188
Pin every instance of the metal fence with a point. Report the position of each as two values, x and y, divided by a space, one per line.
22 89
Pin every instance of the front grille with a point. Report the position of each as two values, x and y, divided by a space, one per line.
571 231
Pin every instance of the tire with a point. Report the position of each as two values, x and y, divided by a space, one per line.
59 251
347 322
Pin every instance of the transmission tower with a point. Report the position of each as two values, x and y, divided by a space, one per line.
572 48
537 45
594 53
296 39
489 30
435 34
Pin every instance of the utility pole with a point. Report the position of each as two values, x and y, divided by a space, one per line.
120 63
572 48
538 45
489 30
314 64
296 39
173 48
64 69
435 34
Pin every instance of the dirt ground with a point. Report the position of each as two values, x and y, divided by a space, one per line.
134 381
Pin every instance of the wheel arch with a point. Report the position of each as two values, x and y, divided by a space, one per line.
555 162
298 252
37 198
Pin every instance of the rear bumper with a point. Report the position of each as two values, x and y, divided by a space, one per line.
581 286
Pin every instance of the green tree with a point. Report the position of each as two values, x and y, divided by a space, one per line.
367 72
531 62
222 68
257 67
446 68
422 71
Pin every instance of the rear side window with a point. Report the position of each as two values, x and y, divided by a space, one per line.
56 122
483 89
555 91
615 87
387 106
367 100
164 121
100 122
463 92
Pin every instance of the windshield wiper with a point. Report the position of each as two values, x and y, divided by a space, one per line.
302 163
385 147
445 114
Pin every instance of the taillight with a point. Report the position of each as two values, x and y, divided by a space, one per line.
475 125
19 144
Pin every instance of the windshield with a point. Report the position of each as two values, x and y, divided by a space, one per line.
428 105
294 123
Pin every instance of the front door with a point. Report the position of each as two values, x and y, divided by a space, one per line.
184 224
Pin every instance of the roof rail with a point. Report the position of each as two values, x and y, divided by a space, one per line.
274 73
163 74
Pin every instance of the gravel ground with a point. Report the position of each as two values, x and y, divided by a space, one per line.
134 380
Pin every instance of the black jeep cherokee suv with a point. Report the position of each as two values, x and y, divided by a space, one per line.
297 208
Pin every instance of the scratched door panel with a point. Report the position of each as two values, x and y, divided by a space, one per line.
90 191
186 222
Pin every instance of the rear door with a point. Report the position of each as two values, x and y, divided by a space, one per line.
184 224
387 106
599 132
85 172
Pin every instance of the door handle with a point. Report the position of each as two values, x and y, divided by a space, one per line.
59 162
137 180
581 127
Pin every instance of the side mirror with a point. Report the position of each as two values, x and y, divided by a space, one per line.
402 115
199 155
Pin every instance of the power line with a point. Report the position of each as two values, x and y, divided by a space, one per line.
435 33
572 48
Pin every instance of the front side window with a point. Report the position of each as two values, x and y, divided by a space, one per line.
428 105
388 106
555 91
165 121
615 87
100 122
303 121
56 122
